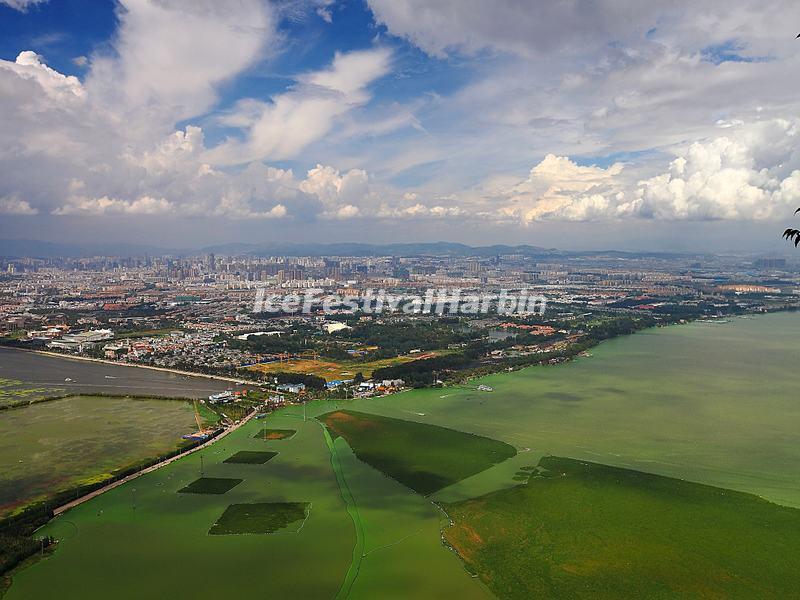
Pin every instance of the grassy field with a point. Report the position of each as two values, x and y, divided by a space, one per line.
423 457
250 457
57 445
332 370
583 530
210 485
271 435
262 517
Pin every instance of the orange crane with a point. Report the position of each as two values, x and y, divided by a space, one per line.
201 433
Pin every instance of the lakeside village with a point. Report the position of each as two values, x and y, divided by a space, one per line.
195 314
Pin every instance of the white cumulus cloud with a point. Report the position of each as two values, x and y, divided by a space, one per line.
21 5
146 205
171 57
752 173
292 120
558 188
14 205
61 88
338 193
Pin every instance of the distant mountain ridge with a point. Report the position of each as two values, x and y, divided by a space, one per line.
361 249
24 248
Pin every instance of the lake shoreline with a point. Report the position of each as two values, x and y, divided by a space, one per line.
123 364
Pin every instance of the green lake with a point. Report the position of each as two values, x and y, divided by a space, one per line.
712 403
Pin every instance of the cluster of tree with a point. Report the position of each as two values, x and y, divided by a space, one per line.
332 351
479 348
472 362
224 371
419 373
21 342
273 344
17 542
396 338
619 326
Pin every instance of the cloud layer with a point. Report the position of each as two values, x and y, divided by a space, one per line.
560 112
107 145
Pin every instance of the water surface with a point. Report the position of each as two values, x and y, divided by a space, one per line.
712 403
51 372
51 446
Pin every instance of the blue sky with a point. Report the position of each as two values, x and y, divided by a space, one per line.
590 122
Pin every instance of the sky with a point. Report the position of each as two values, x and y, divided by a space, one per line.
578 124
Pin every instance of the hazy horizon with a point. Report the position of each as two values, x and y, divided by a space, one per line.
718 237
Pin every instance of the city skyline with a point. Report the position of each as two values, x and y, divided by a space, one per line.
582 126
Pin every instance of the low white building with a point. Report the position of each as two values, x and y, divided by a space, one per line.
334 327
221 398
81 341
246 336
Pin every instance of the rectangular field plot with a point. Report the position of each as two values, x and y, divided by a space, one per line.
261 518
425 458
210 485
249 457
338 369
274 434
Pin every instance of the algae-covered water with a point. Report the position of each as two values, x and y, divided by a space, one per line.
57 445
713 403
716 403
145 540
